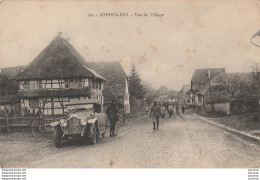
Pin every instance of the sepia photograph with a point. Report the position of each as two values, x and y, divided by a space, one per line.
130 84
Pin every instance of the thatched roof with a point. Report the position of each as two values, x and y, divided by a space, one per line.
200 77
12 71
115 76
58 60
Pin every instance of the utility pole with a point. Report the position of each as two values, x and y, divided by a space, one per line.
212 106
257 45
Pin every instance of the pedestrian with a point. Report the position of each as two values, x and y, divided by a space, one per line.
170 110
177 109
113 115
163 111
146 109
155 114
183 109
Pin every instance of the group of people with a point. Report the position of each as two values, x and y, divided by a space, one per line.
161 110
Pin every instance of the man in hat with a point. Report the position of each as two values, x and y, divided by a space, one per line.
155 114
112 113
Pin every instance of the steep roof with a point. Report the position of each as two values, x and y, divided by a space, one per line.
184 89
12 71
115 75
58 60
200 77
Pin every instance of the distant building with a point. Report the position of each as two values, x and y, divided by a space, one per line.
183 95
199 92
116 86
58 75
165 95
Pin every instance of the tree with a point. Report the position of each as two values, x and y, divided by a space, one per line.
237 86
256 73
231 85
8 86
150 95
136 88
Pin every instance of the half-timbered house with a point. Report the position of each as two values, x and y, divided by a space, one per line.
58 75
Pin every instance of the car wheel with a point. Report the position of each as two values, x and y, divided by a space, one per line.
57 138
93 134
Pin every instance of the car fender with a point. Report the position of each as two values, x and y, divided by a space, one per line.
54 124
92 121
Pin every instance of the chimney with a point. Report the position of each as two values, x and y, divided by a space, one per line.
59 33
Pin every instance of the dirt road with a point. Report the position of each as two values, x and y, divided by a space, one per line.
181 142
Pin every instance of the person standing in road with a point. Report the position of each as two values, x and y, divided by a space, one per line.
146 109
170 111
113 115
164 111
155 114
177 109
183 109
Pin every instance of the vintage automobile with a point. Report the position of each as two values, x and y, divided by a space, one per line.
84 121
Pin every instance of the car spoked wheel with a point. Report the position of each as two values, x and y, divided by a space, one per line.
93 134
57 137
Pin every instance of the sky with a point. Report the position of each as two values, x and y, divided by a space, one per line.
166 50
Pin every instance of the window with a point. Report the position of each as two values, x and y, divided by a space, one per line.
40 84
76 83
26 85
80 83
86 83
89 83
34 103
71 83
56 84
21 85
66 83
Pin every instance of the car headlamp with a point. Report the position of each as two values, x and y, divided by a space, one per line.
83 122
63 122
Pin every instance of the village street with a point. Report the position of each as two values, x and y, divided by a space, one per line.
181 142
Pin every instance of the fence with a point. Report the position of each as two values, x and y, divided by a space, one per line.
239 106
223 107
42 124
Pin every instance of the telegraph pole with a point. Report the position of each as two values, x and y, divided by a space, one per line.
212 106
257 45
